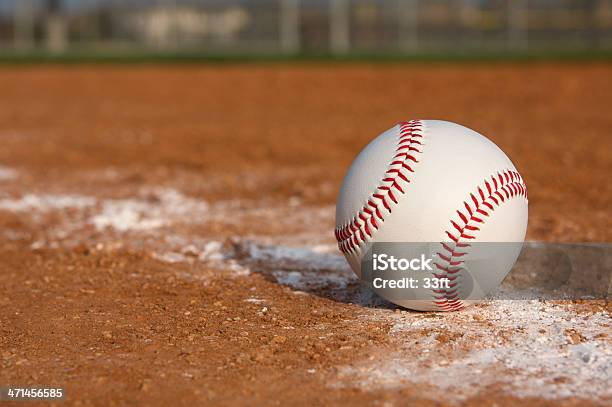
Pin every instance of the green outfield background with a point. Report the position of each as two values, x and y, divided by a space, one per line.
100 31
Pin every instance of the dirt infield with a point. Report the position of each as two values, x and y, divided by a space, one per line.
166 235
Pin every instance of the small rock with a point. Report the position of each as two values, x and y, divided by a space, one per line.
279 339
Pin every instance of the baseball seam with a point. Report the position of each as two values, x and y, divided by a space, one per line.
500 187
363 225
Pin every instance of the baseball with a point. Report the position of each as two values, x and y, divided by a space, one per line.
446 187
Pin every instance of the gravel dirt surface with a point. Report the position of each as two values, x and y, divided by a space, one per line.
166 235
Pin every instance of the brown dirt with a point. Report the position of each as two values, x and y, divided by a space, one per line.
98 312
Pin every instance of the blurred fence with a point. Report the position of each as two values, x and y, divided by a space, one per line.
294 26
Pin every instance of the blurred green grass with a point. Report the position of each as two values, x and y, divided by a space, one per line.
139 57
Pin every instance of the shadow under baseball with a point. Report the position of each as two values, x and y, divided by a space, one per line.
543 271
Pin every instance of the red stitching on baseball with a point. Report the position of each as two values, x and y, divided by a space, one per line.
352 234
512 184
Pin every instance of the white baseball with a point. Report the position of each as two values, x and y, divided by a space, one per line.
434 181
